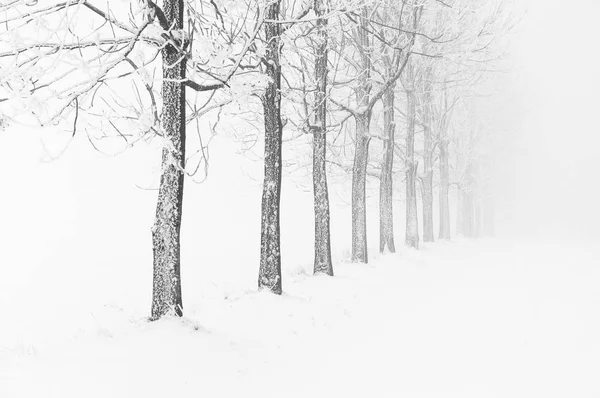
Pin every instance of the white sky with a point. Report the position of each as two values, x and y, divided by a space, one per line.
550 173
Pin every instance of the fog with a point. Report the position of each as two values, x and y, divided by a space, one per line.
458 316
547 163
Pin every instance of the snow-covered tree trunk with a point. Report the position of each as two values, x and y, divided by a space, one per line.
477 218
427 196
468 215
359 185
460 199
488 216
361 150
466 205
269 276
166 294
427 177
444 189
412 222
323 264
386 216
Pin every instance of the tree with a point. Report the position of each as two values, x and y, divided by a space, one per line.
386 189
426 179
323 264
465 164
412 222
78 54
444 188
166 292
269 276
463 31
364 35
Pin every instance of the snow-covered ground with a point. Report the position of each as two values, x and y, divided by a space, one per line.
462 319
486 318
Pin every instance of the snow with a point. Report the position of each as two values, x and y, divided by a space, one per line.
515 316
440 322
486 318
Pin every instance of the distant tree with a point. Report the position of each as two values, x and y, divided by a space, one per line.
444 166
426 178
364 35
412 221
466 183
386 188
323 263
362 116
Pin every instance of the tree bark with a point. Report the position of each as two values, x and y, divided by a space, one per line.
412 222
427 197
386 215
444 189
466 205
323 264
166 293
461 223
269 276
427 178
476 199
488 216
361 152
359 185
467 215
477 219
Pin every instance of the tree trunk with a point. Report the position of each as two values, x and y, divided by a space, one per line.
427 178
476 199
166 293
361 152
465 212
477 220
323 264
459 211
359 185
444 189
269 276
467 215
468 204
427 196
412 222
488 216
386 216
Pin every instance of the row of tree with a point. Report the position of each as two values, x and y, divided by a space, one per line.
136 71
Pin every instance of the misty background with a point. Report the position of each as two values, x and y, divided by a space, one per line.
547 163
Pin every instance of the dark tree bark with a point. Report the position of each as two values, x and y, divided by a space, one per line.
386 215
166 293
444 189
269 276
412 222
323 264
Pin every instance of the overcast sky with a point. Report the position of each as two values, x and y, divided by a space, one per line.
551 172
